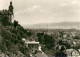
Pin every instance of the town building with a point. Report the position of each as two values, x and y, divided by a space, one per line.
72 53
32 45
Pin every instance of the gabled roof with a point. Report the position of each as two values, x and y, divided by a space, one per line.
5 12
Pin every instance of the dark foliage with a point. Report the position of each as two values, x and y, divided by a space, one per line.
47 40
15 23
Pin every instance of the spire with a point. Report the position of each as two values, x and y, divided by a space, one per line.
11 7
11 2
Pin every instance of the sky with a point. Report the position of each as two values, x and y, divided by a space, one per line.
28 12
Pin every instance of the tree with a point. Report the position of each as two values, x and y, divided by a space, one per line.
49 42
60 42
15 23
40 37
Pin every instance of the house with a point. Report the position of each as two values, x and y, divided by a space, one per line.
74 44
64 40
32 45
72 53
79 50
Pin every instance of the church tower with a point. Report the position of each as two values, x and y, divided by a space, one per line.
11 7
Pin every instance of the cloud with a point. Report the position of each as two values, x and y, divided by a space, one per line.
35 7
63 4
75 2
70 3
34 11
30 9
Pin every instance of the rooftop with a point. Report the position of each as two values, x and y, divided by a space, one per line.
32 42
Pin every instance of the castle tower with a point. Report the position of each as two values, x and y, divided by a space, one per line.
11 7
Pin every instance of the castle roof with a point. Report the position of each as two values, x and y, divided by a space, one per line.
5 12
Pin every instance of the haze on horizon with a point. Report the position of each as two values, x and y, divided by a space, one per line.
44 11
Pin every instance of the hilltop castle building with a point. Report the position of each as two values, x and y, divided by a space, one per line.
7 14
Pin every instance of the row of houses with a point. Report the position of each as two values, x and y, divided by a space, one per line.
73 43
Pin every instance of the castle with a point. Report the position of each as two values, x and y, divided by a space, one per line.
7 14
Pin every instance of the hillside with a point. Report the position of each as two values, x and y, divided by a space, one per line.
11 41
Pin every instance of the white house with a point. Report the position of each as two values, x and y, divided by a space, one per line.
72 53
32 44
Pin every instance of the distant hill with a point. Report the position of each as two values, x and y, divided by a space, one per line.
62 25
